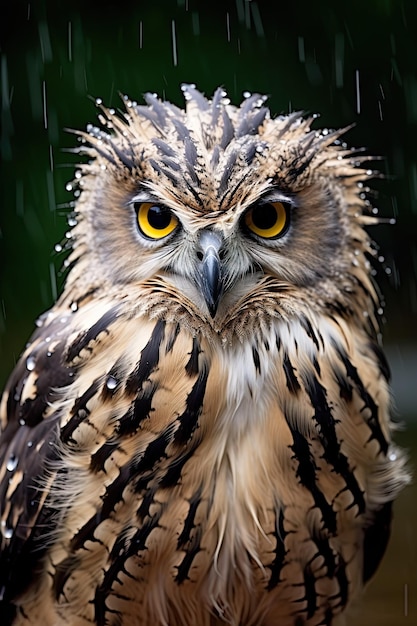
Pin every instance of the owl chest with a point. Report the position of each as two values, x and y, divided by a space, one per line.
201 499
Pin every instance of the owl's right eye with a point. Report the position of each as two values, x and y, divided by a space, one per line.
268 220
154 221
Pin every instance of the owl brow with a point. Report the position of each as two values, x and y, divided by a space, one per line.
231 193
276 195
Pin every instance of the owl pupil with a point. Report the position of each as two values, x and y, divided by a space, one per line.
264 216
159 217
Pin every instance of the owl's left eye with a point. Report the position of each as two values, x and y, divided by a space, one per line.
154 221
268 220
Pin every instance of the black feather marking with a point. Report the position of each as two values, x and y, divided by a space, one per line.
291 379
138 471
172 337
369 403
306 472
63 572
154 452
345 387
325 551
84 338
148 361
306 324
189 419
173 474
79 411
194 548
99 458
192 364
310 591
189 525
375 540
280 551
194 193
51 374
328 437
382 361
144 508
141 409
256 359
118 560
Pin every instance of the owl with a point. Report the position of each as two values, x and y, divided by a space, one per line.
199 432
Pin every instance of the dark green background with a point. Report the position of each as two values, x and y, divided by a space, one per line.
56 57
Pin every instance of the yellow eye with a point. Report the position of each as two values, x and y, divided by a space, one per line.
155 222
268 220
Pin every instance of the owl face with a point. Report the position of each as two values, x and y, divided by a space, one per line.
213 202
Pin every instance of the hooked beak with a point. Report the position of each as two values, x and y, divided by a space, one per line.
210 269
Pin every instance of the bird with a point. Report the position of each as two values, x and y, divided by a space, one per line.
199 431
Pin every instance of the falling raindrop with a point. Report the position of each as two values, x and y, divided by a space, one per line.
69 42
228 26
358 93
45 114
174 43
140 34
54 288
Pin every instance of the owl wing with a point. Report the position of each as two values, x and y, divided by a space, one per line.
29 427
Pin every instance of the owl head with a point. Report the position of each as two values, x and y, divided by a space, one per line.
221 213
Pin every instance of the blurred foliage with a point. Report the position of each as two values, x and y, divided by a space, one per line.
352 62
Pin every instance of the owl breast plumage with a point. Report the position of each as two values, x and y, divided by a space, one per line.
199 432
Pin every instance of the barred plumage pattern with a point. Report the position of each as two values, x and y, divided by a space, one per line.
200 433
